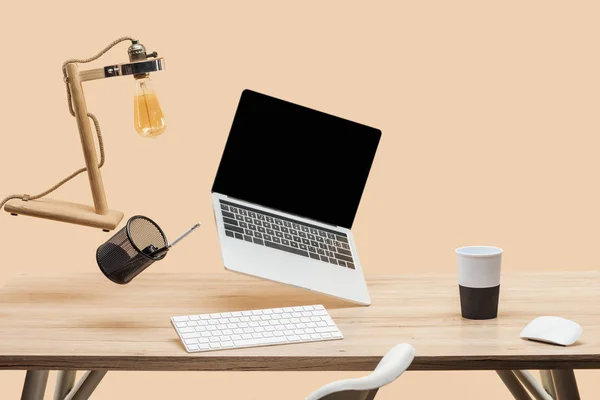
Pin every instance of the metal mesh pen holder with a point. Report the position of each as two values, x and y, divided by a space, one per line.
131 250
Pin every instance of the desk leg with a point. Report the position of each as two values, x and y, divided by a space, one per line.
531 384
35 385
565 384
548 382
64 383
86 385
513 385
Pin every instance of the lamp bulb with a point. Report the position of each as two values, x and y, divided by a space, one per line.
148 118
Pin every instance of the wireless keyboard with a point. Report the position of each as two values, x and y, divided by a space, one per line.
254 328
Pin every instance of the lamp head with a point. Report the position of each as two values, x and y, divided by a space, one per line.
149 120
137 52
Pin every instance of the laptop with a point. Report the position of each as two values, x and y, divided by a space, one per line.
286 194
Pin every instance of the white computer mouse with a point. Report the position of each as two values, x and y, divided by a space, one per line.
554 330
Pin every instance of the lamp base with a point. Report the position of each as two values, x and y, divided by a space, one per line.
64 211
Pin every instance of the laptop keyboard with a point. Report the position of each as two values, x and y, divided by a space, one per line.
285 234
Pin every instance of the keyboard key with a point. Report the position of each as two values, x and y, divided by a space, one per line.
306 241
342 238
302 234
243 224
275 228
243 212
331 248
267 237
344 258
297 239
230 221
323 258
288 236
233 209
266 225
276 239
294 244
261 229
312 249
239 218
341 263
229 233
247 238
249 220
321 233
344 251
248 232
315 256
238 236
332 261
224 207
321 252
270 232
270 219
304 228
279 234
329 253
259 241
314 243
258 222
285 230
287 224
350 265
252 227
228 214
330 235
311 236
258 235
234 228
285 242
303 247
261 217
293 232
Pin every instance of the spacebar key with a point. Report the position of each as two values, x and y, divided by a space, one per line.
259 342
285 248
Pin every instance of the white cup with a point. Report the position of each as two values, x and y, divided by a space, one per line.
479 281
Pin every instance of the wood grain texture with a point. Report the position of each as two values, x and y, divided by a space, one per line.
64 211
83 321
92 74
87 139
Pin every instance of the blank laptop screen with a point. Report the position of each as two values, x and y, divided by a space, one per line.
294 159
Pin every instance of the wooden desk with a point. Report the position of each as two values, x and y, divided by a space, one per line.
85 322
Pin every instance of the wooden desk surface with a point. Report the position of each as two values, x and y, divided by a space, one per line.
83 321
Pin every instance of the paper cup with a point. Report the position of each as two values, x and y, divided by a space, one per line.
479 281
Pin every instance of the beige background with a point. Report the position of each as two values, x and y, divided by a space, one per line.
489 113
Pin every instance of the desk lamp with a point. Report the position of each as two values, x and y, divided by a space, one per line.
148 120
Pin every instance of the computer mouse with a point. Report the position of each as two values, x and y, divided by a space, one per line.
553 330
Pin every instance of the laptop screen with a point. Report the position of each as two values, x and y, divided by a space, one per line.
297 160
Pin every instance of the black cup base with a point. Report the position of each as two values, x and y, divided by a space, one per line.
479 303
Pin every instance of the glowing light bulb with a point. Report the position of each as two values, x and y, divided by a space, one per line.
149 120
